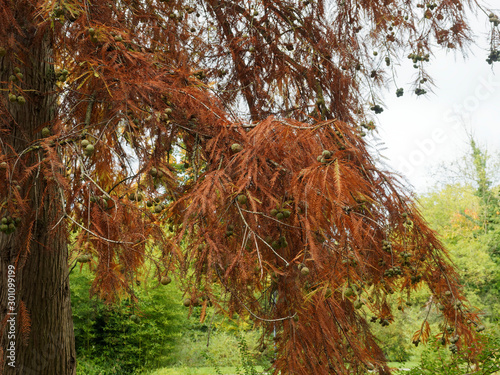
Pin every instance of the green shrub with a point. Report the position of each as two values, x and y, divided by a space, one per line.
109 341
221 351
436 359
247 360
395 339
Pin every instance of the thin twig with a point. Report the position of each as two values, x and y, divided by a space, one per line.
258 256
252 313
96 235
255 234
269 217
58 222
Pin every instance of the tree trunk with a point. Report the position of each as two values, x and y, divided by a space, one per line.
34 258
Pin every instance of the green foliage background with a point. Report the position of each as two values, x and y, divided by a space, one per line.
109 342
456 213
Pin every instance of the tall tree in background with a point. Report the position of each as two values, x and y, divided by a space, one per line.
488 195
464 209
478 170
276 198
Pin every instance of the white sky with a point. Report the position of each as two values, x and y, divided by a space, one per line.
422 132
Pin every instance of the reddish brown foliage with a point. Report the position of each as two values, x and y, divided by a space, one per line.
145 82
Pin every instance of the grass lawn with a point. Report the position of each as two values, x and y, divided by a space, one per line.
199 371
232 370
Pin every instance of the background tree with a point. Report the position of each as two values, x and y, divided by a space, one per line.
275 198
465 211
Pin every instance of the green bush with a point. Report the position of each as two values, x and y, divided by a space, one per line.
108 338
395 339
436 359
247 359
222 350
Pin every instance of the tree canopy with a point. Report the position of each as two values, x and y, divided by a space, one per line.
465 214
223 141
